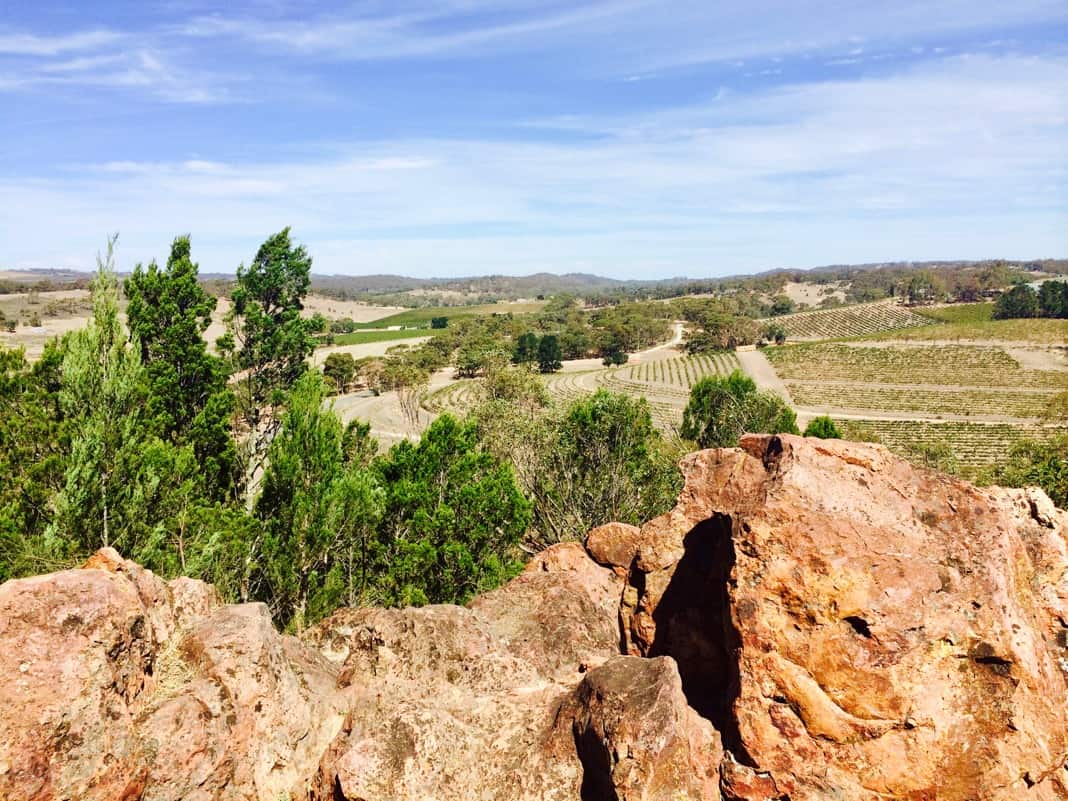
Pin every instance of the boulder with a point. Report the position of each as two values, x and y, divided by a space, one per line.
857 628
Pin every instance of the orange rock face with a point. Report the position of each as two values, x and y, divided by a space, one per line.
813 620
858 629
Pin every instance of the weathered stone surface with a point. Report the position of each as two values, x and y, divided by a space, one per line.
637 737
857 628
459 703
813 620
614 545
118 685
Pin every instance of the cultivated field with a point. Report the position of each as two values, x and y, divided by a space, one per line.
974 445
849 321
932 365
916 390
663 378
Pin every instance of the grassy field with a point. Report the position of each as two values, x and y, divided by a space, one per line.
365 337
420 318
942 365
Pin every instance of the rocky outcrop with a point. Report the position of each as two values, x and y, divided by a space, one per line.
813 620
118 685
856 628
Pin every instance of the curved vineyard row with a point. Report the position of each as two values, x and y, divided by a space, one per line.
850 321
681 371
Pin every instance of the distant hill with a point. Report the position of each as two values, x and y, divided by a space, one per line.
400 290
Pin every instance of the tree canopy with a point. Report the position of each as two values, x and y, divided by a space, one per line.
721 409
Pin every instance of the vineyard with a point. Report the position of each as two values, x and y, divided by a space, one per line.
664 383
975 445
941 365
850 321
966 401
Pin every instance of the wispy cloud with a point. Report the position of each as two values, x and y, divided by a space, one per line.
924 163
27 44
443 29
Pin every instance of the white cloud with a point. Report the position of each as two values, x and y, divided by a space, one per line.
957 158
26 44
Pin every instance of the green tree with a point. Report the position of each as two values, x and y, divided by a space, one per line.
340 368
774 332
721 409
601 460
103 396
1053 298
188 399
318 514
267 336
34 451
1018 302
549 354
439 322
526 348
453 518
781 304
1037 462
822 427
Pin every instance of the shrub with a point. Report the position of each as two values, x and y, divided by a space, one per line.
720 410
823 428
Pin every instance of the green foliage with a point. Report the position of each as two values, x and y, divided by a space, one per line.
822 427
1053 299
188 398
720 410
773 332
594 461
34 443
526 348
1042 463
103 396
439 322
781 304
318 514
453 518
933 456
715 331
549 354
268 338
604 461
1020 301
340 368
615 357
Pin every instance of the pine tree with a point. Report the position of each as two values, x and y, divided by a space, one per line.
189 400
268 338
318 512
103 396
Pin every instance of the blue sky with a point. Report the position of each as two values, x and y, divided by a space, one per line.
620 137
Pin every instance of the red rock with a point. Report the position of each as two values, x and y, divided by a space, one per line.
637 737
858 628
614 545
